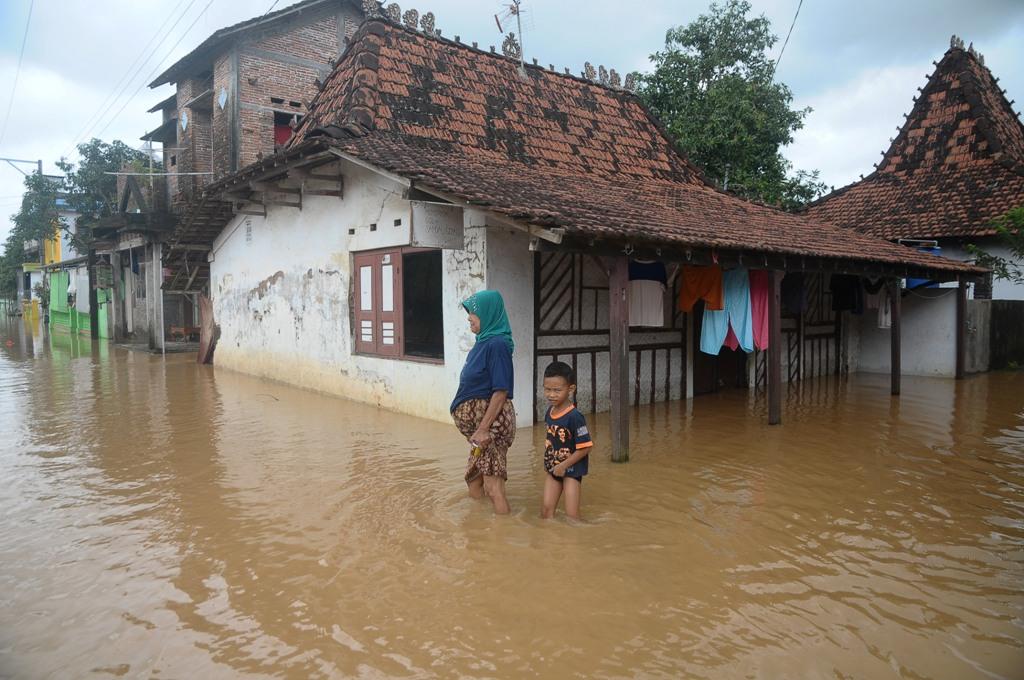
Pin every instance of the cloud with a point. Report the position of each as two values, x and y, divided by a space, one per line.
858 64
851 124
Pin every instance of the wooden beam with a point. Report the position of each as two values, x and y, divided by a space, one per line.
398 179
188 285
961 330
894 337
269 187
618 317
775 348
703 255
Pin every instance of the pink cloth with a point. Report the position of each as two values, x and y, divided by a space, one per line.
731 341
760 284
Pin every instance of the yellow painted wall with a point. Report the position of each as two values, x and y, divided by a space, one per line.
51 248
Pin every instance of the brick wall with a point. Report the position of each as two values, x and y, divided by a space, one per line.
276 69
223 79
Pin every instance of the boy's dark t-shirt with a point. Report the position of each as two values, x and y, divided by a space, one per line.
566 433
488 369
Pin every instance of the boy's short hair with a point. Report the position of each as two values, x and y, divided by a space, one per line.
560 369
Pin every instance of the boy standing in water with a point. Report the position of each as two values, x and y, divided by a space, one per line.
568 442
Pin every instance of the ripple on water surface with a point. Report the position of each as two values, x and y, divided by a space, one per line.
164 518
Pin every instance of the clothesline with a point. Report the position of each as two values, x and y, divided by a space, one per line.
931 297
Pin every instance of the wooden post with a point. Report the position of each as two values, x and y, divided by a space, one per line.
894 336
775 349
618 317
961 330
94 305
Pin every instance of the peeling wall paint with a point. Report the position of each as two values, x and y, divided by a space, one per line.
282 284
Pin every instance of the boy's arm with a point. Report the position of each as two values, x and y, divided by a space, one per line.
582 442
582 449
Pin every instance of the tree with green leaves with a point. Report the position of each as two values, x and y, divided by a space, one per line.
91 189
88 188
714 88
1010 230
36 220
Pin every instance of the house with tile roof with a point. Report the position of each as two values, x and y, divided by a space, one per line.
427 169
237 97
956 165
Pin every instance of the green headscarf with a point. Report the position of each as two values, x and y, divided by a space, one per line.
488 305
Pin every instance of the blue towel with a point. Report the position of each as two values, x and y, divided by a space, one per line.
736 294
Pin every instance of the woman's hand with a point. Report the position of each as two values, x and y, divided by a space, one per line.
559 470
482 437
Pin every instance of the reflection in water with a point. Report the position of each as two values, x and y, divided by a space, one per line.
169 519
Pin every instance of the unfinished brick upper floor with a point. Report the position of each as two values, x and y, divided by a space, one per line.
233 95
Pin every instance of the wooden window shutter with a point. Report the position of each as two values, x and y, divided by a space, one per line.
365 275
389 304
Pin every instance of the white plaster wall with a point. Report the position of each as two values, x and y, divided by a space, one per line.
928 336
35 278
510 271
281 287
1001 290
81 277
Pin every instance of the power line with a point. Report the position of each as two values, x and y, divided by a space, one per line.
154 72
786 41
17 72
92 126
271 8
117 89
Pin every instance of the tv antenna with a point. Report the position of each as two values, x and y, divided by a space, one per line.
512 47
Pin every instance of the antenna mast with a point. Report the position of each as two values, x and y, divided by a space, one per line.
512 47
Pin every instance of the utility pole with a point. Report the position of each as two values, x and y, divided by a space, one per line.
11 162
39 168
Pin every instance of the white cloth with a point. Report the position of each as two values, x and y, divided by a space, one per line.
646 303
884 309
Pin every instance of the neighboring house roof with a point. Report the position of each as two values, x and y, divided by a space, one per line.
170 102
216 42
957 163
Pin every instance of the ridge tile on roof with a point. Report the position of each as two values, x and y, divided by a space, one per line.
957 163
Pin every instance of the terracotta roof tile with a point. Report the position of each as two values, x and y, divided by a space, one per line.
957 163
547 149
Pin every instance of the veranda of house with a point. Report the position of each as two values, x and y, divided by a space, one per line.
427 169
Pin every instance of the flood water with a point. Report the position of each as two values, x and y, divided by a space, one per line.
163 519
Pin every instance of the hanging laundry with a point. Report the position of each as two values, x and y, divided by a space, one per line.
872 292
884 309
648 281
794 293
716 323
701 283
847 294
760 287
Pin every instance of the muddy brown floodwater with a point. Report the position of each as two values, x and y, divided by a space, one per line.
163 519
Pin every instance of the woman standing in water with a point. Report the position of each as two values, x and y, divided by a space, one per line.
482 408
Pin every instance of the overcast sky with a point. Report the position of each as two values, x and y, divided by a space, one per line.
858 64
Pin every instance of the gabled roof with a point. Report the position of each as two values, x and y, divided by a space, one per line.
957 163
427 90
212 45
545 148
170 102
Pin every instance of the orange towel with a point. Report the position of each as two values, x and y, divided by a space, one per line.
701 283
